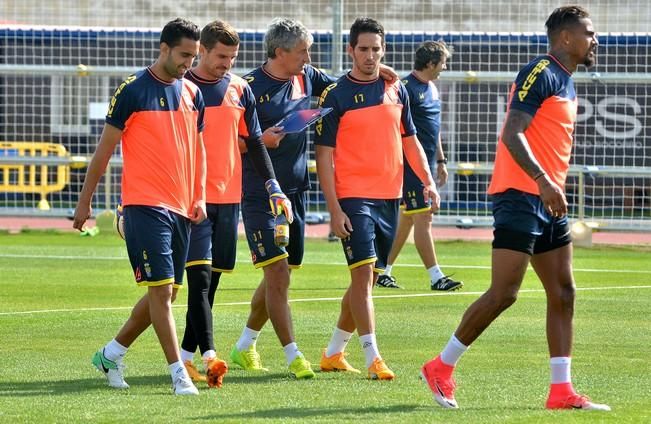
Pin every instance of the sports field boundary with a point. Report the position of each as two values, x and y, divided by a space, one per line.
240 261
16 224
316 299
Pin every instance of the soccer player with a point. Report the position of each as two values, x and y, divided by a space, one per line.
359 154
284 83
159 118
230 116
530 209
425 104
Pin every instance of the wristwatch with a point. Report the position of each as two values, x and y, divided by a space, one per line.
442 161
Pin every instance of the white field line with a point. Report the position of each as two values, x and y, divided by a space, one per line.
321 299
120 258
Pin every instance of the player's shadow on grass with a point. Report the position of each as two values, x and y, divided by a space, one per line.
252 377
301 413
82 385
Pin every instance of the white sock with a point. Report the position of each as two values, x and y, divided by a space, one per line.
560 366
435 273
114 351
369 346
338 342
177 369
291 352
453 351
387 270
249 337
208 355
186 356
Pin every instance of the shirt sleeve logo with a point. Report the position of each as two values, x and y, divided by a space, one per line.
114 99
325 93
531 79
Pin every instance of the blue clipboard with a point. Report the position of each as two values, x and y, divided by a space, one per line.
299 120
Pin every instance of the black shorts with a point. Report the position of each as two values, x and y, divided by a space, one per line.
522 224
214 240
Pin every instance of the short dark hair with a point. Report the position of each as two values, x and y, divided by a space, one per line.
219 32
564 17
364 25
431 52
174 31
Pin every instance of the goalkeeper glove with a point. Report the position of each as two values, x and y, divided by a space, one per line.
278 201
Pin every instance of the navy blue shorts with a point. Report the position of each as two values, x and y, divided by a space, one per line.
522 224
259 227
157 242
413 200
374 224
214 241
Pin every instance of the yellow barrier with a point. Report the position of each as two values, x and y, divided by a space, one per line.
41 179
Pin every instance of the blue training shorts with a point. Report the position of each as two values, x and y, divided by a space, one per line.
374 224
413 200
214 240
259 226
522 224
157 242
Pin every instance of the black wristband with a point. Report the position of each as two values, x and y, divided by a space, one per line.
442 161
538 176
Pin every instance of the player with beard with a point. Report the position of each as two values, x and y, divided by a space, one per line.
231 128
154 110
530 209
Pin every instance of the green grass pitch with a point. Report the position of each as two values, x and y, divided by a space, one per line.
63 296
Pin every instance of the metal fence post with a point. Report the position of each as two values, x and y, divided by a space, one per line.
581 196
337 42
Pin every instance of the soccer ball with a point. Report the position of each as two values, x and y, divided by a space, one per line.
118 222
